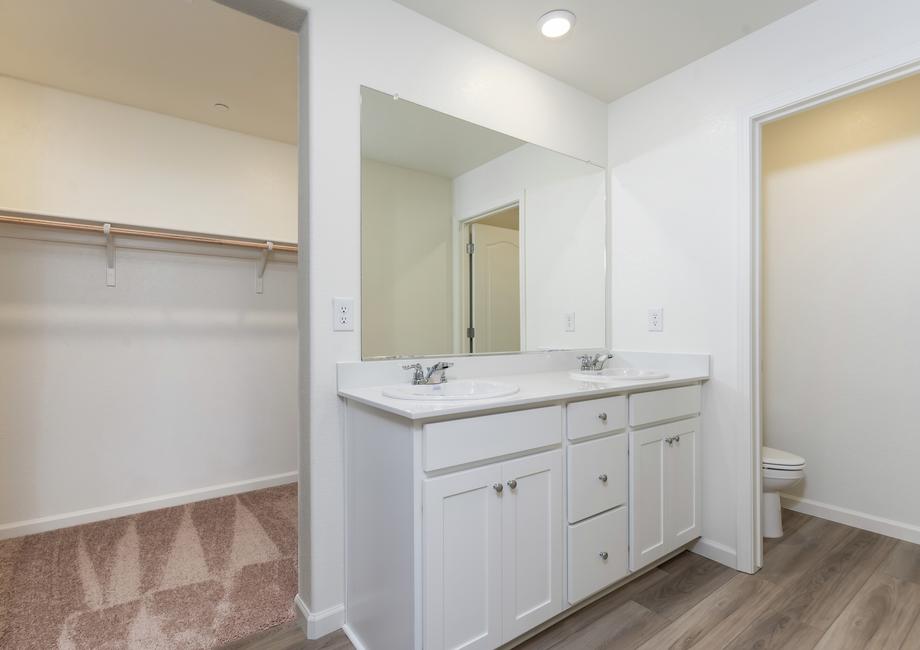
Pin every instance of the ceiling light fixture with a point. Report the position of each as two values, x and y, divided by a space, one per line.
556 23
223 108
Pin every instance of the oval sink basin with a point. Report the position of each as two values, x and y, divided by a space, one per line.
452 390
619 374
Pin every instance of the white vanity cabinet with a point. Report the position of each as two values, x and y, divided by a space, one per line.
492 551
664 475
467 530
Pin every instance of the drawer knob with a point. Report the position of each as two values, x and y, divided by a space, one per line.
498 487
604 555
602 478
512 484
602 416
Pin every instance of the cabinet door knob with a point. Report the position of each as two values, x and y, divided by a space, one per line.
602 478
512 484
602 416
498 487
604 555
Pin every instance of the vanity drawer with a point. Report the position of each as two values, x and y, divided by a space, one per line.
605 415
456 442
590 462
589 570
659 405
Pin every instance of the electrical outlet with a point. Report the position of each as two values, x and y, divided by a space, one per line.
343 315
656 320
569 321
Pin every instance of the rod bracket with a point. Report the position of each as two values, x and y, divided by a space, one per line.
261 264
109 255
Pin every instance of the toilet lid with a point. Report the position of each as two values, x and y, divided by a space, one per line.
779 459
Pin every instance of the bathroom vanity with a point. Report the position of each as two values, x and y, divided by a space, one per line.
480 509
470 523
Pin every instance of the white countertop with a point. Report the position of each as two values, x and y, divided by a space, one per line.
535 388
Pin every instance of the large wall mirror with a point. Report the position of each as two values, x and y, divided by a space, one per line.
474 241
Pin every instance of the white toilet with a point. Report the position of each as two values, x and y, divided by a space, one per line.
781 470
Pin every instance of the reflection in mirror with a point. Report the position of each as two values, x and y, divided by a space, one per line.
491 293
474 241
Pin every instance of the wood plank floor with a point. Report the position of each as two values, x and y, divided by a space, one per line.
823 585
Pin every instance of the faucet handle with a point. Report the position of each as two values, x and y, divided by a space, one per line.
418 373
586 361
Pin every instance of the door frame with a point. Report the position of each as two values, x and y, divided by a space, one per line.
459 242
849 81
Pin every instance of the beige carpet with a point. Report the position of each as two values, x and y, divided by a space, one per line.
189 577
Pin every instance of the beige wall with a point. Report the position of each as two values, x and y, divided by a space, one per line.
70 155
842 299
406 260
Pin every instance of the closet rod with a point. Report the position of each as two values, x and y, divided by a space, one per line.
138 232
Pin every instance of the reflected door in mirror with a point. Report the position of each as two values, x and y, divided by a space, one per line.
492 291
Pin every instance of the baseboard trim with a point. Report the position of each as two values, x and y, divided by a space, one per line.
880 525
355 641
716 552
67 519
321 623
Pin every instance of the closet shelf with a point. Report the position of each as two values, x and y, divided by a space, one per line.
107 229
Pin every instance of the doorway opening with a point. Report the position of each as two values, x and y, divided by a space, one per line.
491 281
838 223
874 74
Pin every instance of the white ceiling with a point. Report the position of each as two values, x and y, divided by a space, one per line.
408 135
616 46
177 57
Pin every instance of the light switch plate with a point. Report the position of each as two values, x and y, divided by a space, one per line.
343 315
656 319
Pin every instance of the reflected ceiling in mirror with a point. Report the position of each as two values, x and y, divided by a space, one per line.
474 242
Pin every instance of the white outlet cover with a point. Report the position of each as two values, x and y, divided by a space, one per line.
656 319
569 318
343 315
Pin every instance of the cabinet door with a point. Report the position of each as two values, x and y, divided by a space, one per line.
647 536
462 519
664 507
682 481
532 532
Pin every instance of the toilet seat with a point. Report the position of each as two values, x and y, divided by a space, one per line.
780 471
777 459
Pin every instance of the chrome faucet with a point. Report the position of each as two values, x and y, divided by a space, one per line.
437 374
434 375
594 363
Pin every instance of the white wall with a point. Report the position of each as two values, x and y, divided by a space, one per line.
177 384
75 156
564 228
406 249
386 46
840 307
674 159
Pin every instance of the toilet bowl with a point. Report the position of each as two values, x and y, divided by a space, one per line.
781 470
